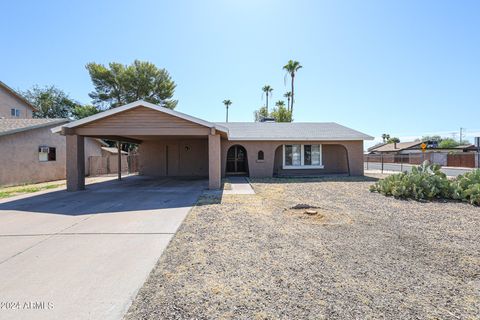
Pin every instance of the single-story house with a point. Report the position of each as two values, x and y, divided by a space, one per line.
172 143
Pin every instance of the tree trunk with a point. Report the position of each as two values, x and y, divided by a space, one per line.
227 114
293 95
266 94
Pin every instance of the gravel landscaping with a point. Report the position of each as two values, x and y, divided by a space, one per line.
361 256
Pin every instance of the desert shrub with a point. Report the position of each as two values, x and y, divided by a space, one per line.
424 182
428 182
466 187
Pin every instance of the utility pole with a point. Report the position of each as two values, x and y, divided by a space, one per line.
461 134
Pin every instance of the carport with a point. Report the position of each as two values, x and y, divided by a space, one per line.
171 143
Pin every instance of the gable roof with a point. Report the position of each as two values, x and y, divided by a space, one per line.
11 126
291 131
295 131
139 103
17 95
399 146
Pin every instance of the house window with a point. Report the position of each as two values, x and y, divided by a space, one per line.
15 112
260 155
302 156
47 154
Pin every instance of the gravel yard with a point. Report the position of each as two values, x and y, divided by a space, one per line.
362 256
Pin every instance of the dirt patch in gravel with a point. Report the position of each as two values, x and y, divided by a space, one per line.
361 256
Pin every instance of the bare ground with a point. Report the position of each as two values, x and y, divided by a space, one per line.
361 256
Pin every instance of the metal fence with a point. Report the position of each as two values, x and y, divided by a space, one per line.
403 162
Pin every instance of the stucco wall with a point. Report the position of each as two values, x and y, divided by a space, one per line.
9 101
19 156
185 157
333 156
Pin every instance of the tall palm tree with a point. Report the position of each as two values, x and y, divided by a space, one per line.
268 92
288 95
385 137
291 68
227 104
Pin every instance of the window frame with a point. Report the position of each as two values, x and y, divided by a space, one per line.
51 155
302 157
258 156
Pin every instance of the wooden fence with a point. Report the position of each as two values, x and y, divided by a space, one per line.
99 165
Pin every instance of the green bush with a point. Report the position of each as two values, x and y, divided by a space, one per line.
428 182
424 182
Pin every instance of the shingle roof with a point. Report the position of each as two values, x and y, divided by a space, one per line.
10 126
291 131
389 147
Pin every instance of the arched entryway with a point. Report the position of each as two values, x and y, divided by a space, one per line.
237 163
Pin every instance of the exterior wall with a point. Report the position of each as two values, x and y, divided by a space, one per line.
181 157
333 156
142 121
9 101
92 148
19 156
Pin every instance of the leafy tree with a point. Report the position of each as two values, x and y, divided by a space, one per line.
227 104
267 90
50 101
448 143
291 68
432 138
393 140
260 114
281 113
120 84
80 111
288 95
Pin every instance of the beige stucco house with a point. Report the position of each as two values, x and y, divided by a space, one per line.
13 105
30 152
172 143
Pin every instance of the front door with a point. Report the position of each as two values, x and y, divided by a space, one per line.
237 160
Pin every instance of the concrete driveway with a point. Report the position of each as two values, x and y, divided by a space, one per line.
84 255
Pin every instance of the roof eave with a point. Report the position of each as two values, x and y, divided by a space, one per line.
140 103
38 126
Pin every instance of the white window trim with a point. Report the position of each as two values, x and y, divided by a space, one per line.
302 165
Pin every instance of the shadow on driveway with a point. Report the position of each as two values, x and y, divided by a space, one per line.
133 193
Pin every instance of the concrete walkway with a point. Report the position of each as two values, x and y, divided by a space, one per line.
85 255
239 185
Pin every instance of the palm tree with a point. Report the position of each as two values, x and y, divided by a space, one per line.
291 68
227 104
288 95
280 103
385 137
268 92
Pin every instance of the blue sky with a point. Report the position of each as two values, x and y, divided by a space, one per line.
407 68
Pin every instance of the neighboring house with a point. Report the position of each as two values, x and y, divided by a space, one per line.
176 144
30 152
111 151
411 153
13 105
397 147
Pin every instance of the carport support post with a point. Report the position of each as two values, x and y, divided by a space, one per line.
214 162
119 145
75 163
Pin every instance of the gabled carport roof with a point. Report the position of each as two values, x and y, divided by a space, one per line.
139 103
